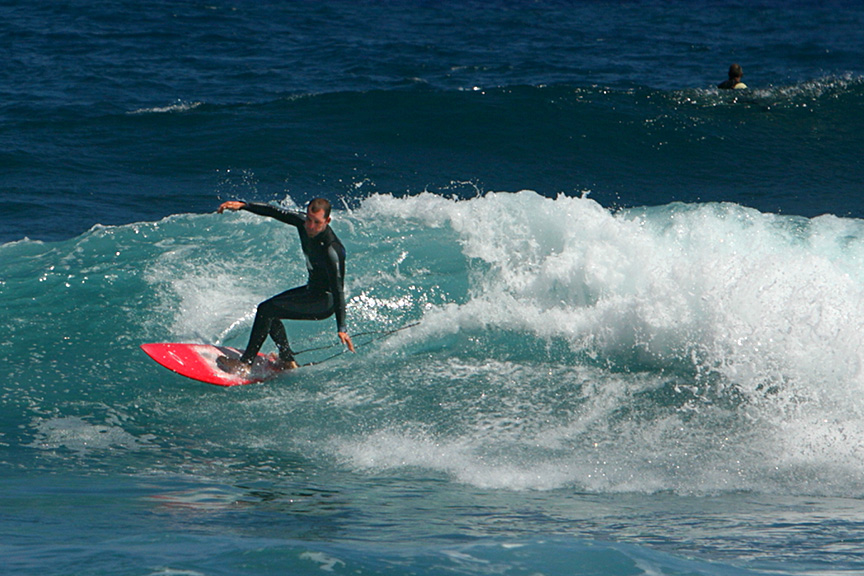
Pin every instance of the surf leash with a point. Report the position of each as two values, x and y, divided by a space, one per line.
376 335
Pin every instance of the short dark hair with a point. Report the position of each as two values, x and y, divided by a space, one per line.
735 71
319 204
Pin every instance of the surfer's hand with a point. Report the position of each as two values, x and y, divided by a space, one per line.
346 339
231 205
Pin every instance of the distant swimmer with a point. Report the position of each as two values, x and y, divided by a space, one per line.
734 81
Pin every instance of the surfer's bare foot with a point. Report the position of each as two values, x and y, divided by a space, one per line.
286 364
284 361
232 365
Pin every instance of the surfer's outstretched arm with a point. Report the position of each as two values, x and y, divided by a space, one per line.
288 217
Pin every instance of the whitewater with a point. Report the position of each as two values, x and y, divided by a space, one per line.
690 348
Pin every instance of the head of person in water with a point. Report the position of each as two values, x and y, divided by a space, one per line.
734 81
735 72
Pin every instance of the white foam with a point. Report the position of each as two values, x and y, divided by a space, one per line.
462 459
768 307
172 108
324 561
743 289
80 436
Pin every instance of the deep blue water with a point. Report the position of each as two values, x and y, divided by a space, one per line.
639 298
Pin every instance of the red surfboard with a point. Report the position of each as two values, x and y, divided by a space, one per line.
198 362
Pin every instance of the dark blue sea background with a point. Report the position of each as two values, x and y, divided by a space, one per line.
609 317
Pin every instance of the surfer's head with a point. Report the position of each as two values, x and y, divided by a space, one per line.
735 72
319 204
317 216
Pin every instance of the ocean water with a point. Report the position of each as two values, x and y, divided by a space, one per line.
608 316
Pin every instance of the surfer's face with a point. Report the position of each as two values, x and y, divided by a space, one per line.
315 222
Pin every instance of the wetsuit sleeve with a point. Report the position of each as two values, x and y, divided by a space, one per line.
286 216
337 286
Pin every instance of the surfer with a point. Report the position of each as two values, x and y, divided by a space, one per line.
734 82
321 297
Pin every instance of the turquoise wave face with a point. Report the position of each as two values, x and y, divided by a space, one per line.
687 347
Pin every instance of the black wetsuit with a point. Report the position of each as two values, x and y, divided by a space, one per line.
321 297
